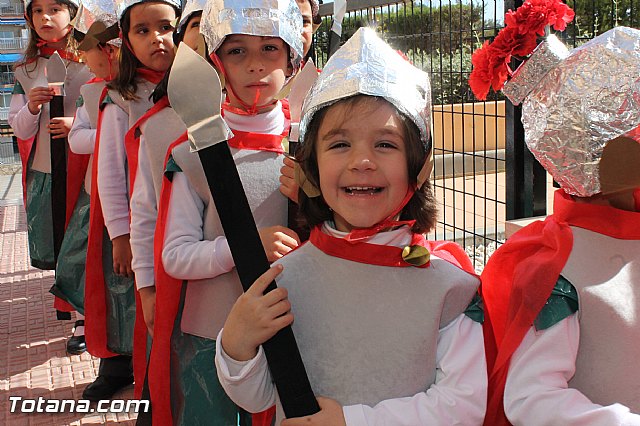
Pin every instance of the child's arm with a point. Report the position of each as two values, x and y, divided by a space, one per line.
113 185
23 123
537 392
188 256
144 214
82 138
240 361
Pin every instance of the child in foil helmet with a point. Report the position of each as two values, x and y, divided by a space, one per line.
388 323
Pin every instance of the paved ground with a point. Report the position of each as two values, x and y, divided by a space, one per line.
33 361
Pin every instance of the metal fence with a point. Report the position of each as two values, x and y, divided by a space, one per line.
483 174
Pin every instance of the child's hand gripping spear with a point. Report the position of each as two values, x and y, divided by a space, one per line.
195 95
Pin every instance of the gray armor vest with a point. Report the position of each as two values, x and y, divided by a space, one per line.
209 301
606 272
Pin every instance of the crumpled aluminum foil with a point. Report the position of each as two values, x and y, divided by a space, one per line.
590 98
274 18
367 65
26 3
92 11
190 7
549 53
123 5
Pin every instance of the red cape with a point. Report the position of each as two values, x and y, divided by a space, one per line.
520 276
95 298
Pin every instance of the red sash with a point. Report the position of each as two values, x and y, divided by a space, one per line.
132 139
520 276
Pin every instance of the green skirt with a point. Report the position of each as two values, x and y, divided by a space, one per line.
197 398
39 220
121 304
70 270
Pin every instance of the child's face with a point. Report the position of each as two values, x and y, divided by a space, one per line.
50 20
102 62
362 163
307 24
150 34
254 65
192 32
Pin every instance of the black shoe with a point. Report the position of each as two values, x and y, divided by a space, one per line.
104 387
76 345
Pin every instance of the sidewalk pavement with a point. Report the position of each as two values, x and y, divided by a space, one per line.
33 360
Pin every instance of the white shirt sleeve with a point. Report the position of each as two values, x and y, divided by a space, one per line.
248 383
186 255
458 396
112 171
537 392
82 138
23 123
144 214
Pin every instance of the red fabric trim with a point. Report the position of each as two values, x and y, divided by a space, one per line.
47 51
62 305
24 148
167 303
95 80
264 418
77 165
520 276
150 75
94 297
132 140
257 141
361 251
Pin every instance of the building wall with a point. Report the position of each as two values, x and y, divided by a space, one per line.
13 40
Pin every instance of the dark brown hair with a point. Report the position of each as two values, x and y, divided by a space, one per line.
125 83
32 50
422 207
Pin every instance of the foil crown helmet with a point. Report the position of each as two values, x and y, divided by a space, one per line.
26 3
190 7
98 23
576 102
366 65
270 18
123 5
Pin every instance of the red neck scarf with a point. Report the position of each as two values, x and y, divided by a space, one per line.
152 76
262 141
46 51
363 252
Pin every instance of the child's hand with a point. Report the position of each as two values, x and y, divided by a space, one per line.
278 241
148 301
122 256
330 414
288 185
38 96
256 317
60 127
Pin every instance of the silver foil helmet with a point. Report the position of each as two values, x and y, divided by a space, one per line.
587 99
26 3
123 5
97 21
190 7
366 65
271 18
